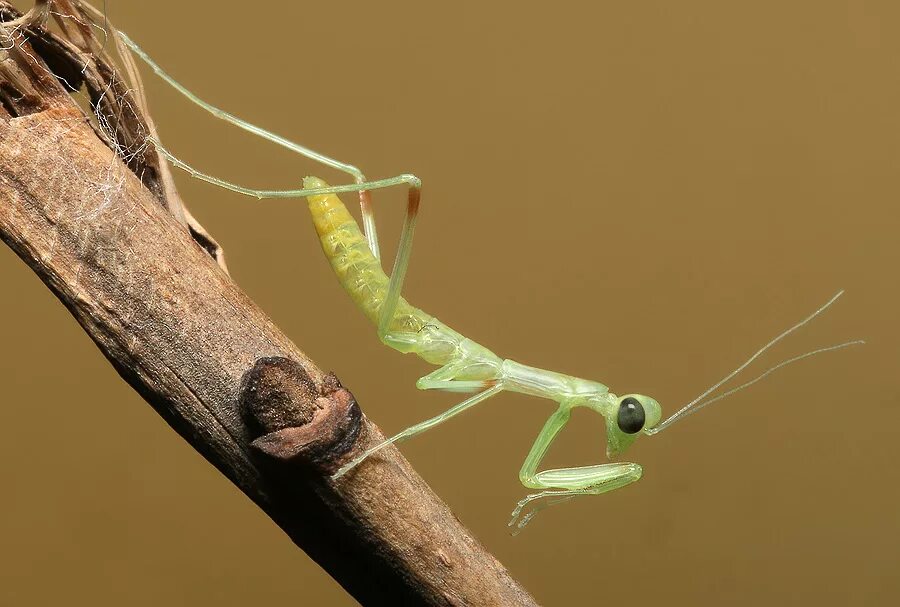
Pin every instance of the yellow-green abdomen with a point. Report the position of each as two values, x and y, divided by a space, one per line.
356 268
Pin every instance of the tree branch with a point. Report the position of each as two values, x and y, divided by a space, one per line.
177 328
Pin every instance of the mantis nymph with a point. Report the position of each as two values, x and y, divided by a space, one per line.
464 366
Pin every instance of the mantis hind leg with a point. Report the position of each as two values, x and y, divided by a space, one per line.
361 185
565 483
401 263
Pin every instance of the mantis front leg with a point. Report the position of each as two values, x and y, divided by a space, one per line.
566 483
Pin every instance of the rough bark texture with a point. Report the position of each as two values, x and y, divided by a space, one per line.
179 330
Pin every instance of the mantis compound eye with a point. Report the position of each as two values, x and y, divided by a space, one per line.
631 415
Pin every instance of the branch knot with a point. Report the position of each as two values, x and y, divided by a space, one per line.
298 421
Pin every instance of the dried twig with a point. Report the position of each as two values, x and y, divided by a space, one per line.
199 350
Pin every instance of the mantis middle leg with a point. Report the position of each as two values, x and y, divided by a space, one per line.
421 427
566 483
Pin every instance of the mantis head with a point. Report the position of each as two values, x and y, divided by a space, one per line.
636 413
633 413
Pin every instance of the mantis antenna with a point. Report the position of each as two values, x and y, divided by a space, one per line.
693 406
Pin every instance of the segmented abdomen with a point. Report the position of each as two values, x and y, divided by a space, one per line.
356 268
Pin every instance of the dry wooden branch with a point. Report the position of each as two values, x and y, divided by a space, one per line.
177 328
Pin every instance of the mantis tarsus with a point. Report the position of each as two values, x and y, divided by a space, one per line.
464 366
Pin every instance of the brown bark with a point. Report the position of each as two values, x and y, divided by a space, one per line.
177 328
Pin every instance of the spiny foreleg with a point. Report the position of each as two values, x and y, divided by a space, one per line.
565 483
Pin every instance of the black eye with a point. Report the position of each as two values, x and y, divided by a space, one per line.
631 415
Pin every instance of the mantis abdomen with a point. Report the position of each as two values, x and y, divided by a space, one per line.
360 273
356 268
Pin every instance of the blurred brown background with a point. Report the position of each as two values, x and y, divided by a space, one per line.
637 193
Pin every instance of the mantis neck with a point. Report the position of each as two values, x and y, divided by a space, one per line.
554 386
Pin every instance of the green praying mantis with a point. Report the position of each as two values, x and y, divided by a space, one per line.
463 365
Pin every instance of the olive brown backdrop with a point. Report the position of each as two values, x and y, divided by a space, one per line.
636 193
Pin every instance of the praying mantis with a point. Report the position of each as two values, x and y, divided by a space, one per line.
463 365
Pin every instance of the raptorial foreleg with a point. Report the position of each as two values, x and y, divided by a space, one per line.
565 483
